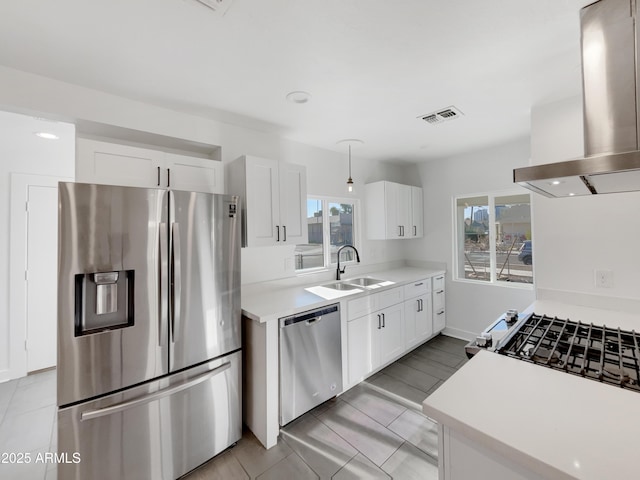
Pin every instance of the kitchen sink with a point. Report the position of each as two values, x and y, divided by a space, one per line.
341 286
364 281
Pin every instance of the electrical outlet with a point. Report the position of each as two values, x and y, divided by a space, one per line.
604 278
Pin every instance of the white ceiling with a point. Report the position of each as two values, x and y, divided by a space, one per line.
372 66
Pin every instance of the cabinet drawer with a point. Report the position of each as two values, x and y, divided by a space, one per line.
438 300
417 288
390 297
439 320
359 307
438 283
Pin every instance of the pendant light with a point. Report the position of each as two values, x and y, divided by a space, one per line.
349 142
350 180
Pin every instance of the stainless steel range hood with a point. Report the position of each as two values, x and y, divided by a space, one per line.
611 110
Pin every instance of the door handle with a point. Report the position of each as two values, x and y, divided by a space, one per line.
379 327
176 281
418 302
415 231
399 230
284 231
383 324
168 177
162 282
158 176
277 233
120 407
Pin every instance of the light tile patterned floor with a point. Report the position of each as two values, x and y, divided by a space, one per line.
374 430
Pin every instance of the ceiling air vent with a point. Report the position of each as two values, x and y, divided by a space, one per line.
440 116
218 6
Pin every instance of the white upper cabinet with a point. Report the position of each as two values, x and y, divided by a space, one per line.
117 164
274 198
391 213
417 213
194 174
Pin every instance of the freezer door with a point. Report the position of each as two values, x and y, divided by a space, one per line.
112 292
205 277
160 430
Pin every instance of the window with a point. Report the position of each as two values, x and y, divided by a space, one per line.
330 224
493 237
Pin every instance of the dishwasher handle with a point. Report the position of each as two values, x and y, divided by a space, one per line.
310 317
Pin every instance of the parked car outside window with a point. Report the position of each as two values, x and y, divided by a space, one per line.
526 255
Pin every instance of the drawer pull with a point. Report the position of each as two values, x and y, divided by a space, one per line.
418 284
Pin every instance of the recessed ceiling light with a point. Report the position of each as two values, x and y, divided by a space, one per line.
555 182
299 97
47 135
572 194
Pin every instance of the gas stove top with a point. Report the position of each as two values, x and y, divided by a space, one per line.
608 355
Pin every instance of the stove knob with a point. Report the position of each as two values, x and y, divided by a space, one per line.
484 340
511 316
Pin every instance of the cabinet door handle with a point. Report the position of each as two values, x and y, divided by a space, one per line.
415 231
168 177
418 284
399 230
439 292
418 302
284 230
440 313
277 233
158 176
379 327
383 324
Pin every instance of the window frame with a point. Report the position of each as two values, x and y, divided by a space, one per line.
326 231
491 198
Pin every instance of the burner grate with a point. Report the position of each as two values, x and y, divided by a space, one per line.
597 352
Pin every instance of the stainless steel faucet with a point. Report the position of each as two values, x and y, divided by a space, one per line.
338 271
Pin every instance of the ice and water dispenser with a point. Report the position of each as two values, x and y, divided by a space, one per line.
104 301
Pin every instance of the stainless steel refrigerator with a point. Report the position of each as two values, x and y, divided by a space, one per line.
149 359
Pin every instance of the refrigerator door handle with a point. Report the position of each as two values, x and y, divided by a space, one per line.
166 392
176 283
163 283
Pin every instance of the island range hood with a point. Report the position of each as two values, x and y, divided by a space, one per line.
611 110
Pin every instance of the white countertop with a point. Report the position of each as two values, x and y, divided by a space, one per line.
554 423
275 303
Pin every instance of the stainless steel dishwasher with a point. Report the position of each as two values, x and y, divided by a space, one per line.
310 360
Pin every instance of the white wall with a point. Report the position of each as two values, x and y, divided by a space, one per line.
326 171
470 306
575 236
22 152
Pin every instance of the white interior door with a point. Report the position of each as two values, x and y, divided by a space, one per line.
41 276
33 282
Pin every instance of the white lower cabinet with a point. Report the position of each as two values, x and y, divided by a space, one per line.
359 344
418 312
439 315
381 327
418 317
390 335
374 340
